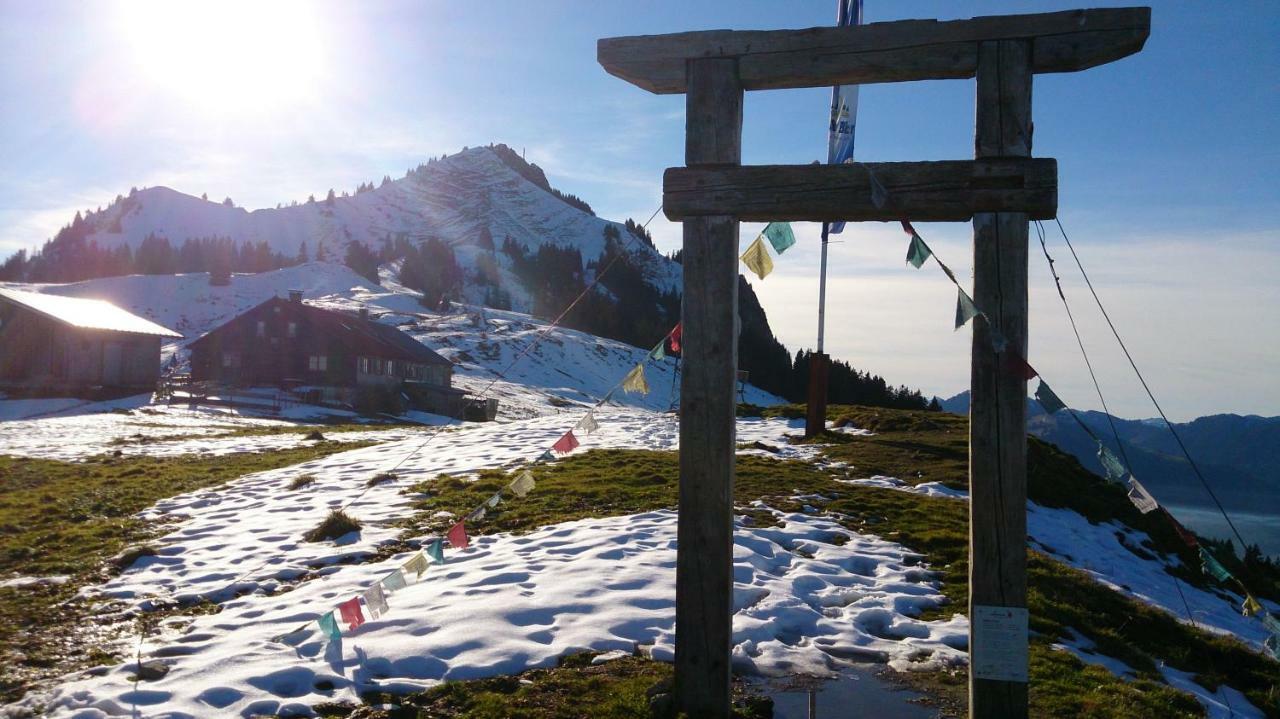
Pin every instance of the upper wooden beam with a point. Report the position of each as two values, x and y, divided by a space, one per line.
950 190
879 52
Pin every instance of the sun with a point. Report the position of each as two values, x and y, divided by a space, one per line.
226 56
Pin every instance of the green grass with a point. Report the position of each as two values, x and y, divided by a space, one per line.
232 431
919 447
65 518
575 689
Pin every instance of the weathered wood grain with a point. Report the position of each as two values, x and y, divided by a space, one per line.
898 51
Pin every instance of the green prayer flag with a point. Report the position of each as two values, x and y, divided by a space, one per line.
918 252
965 309
1270 622
659 353
780 236
435 550
329 625
757 259
1110 463
1048 399
1213 568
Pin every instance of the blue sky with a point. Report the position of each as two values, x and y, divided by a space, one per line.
1168 159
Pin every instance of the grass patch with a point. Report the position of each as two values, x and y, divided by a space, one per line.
302 480
335 525
379 478
930 447
68 519
576 688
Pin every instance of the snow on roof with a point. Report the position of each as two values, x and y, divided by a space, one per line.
86 314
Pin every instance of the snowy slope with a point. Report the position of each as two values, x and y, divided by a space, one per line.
454 199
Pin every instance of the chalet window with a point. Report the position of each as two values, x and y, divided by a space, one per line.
230 359
318 363
293 329
262 328
364 365
379 366
391 367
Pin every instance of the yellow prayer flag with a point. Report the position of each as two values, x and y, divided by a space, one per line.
523 484
757 258
635 382
417 564
1252 607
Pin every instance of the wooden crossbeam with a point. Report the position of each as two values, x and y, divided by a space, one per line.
879 52
951 190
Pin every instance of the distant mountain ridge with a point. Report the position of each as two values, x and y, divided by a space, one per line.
1239 455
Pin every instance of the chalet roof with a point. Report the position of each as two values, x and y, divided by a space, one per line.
368 337
85 313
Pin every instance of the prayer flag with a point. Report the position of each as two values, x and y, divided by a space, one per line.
1187 537
375 600
565 444
329 625
1252 607
659 353
635 381
546 456
757 259
917 252
1270 622
1272 645
1212 567
1140 497
495 500
998 341
458 536
1110 463
588 423
523 484
416 564
965 309
435 550
351 613
394 581
675 337
1015 365
477 514
779 235
1048 399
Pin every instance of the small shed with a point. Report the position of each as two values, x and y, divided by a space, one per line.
68 346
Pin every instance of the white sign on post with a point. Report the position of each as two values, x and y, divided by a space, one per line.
999 648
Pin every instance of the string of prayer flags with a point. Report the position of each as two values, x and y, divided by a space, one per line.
588 423
329 625
375 600
1212 567
1015 365
394 581
1110 463
416 564
779 235
351 613
675 337
1140 497
435 550
918 251
566 444
757 259
635 381
1048 399
458 536
1252 607
965 309
523 484
1187 537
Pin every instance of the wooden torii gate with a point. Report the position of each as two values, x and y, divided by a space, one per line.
1000 191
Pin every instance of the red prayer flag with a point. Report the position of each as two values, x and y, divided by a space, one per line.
457 536
675 338
351 613
565 444
1185 534
1014 364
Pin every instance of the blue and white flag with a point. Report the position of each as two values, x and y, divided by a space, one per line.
844 107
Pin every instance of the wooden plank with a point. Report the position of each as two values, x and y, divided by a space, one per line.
898 51
704 559
951 190
997 412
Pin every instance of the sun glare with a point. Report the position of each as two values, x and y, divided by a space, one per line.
228 56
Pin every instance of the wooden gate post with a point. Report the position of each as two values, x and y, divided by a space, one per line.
704 560
997 410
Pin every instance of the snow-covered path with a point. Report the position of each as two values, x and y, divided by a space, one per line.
504 604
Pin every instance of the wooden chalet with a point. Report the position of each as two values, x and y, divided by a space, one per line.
326 356
52 345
